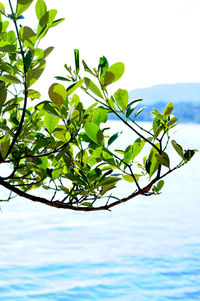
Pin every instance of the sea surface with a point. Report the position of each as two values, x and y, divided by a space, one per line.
146 249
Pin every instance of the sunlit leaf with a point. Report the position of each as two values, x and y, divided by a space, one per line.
77 62
28 60
22 5
40 9
178 148
172 121
128 154
34 74
92 87
8 48
57 94
188 154
163 159
3 94
100 115
108 180
32 94
160 185
113 73
137 147
106 188
139 111
4 145
113 138
74 86
50 110
28 36
10 79
87 69
168 109
87 204
94 133
121 97
56 22
130 178
50 122
48 51
103 66
2 8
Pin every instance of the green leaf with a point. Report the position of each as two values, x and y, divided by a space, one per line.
40 9
132 106
62 78
3 94
113 138
28 60
92 87
106 188
156 125
5 25
48 51
32 94
188 154
74 178
12 37
163 159
178 149
57 94
50 122
168 109
153 166
22 5
130 179
87 204
128 154
2 8
94 133
61 134
113 73
41 31
10 79
50 110
160 185
74 86
103 66
100 115
8 48
107 180
86 68
122 97
137 147
4 145
34 74
28 36
56 22
172 121
147 165
90 108
46 22
6 129
48 17
139 111
77 62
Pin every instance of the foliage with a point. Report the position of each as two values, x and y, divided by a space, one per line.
61 145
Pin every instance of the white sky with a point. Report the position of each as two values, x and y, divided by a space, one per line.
158 40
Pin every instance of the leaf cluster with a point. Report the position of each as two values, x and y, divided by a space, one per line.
63 146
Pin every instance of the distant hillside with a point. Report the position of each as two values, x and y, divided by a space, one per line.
185 111
188 92
186 99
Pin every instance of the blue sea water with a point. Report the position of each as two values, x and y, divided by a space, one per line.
146 249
